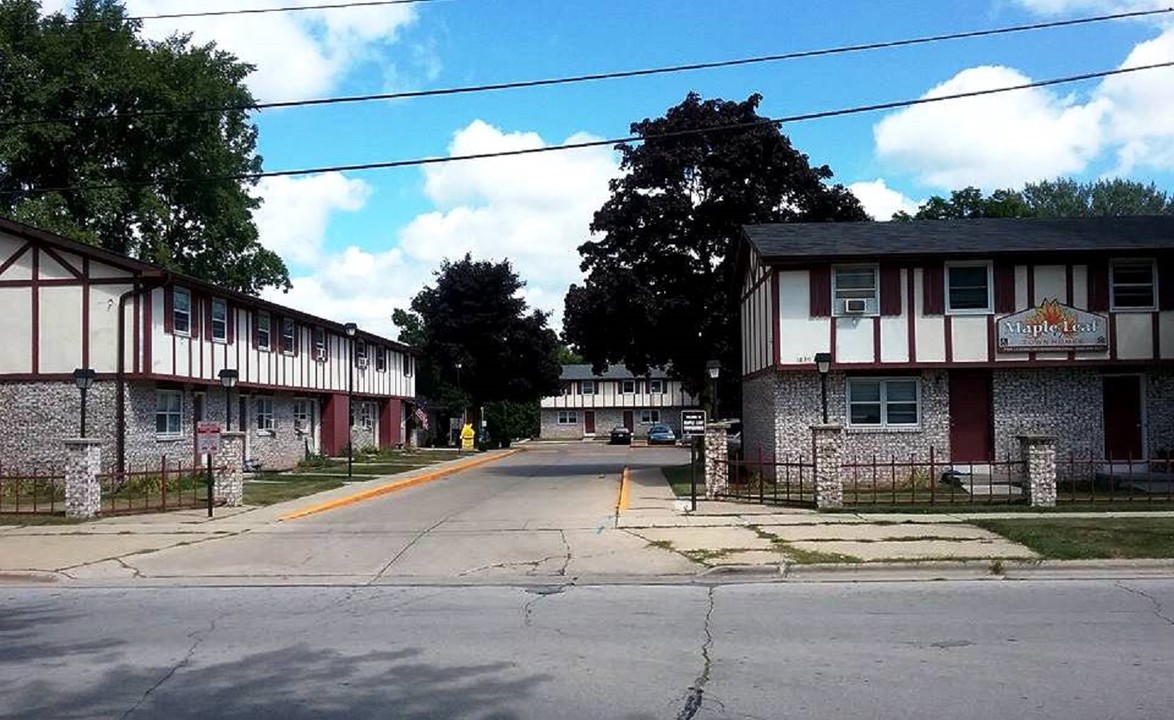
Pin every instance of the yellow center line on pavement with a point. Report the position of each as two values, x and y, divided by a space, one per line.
622 501
394 486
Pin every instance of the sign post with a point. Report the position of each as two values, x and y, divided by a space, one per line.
692 428
208 443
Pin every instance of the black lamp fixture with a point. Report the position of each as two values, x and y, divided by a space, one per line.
351 329
823 363
714 369
228 382
84 379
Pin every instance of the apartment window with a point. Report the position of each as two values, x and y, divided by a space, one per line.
366 419
289 336
628 387
854 290
263 411
586 387
302 416
656 387
361 353
969 288
568 417
219 321
263 331
1132 285
409 364
381 359
169 412
319 344
648 417
181 311
893 402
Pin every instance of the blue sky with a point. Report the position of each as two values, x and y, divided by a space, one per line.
360 244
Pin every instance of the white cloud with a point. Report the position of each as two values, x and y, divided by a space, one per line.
533 210
880 201
991 141
297 54
1140 119
294 213
1064 7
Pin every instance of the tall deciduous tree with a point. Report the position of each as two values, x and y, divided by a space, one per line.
124 182
1063 197
474 315
659 289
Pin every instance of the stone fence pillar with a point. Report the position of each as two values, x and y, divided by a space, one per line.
828 454
228 487
1039 461
717 471
83 493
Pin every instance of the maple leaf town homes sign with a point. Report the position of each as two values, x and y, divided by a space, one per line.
1053 326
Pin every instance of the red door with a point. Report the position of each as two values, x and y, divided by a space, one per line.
628 421
971 416
589 422
1122 395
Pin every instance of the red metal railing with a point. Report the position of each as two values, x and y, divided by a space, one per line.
1092 479
933 480
762 479
32 493
172 485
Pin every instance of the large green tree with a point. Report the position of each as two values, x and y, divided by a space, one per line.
147 180
474 316
659 290
1063 197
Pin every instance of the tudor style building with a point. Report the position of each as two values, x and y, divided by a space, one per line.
591 405
158 340
961 336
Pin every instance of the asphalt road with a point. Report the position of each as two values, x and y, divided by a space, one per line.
994 649
548 512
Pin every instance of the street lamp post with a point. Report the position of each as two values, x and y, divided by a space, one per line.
228 381
823 363
351 329
83 378
461 395
714 368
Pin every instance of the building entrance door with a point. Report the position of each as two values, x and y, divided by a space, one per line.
1123 417
629 422
589 422
971 416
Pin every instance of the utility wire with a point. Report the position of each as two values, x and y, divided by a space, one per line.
599 76
819 115
258 11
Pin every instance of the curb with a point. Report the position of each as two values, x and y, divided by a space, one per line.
624 499
394 486
993 569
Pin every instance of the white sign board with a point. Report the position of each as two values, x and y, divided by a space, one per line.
1053 326
692 422
207 437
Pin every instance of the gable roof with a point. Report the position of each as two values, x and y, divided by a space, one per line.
859 240
613 372
168 277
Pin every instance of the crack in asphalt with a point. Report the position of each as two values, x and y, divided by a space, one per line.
538 593
562 572
695 697
533 563
199 636
134 570
1158 610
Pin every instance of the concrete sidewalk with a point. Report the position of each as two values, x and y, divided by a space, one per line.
745 537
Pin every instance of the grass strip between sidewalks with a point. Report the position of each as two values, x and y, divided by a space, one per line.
1089 538
678 479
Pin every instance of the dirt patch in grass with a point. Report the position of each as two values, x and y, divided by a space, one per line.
1089 538
270 493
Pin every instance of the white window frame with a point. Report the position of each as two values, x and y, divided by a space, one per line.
656 387
585 384
872 307
649 416
380 358
222 306
409 364
303 416
624 387
290 347
319 341
990 288
1152 284
367 413
186 313
263 414
169 413
884 403
568 417
264 325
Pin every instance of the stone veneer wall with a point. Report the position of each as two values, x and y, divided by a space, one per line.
760 416
1064 402
605 420
1160 411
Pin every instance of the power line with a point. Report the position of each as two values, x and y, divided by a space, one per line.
845 49
818 115
260 11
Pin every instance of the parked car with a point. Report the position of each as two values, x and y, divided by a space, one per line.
620 435
661 434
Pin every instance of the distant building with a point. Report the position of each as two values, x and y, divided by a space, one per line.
591 405
158 341
961 336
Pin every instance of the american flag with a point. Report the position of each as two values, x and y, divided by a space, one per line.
421 417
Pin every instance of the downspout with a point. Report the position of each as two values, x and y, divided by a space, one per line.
140 288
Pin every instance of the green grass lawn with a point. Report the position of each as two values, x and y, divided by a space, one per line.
678 479
42 519
1089 538
269 493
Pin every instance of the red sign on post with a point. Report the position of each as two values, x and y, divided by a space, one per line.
207 437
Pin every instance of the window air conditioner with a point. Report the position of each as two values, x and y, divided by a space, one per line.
855 306
320 354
